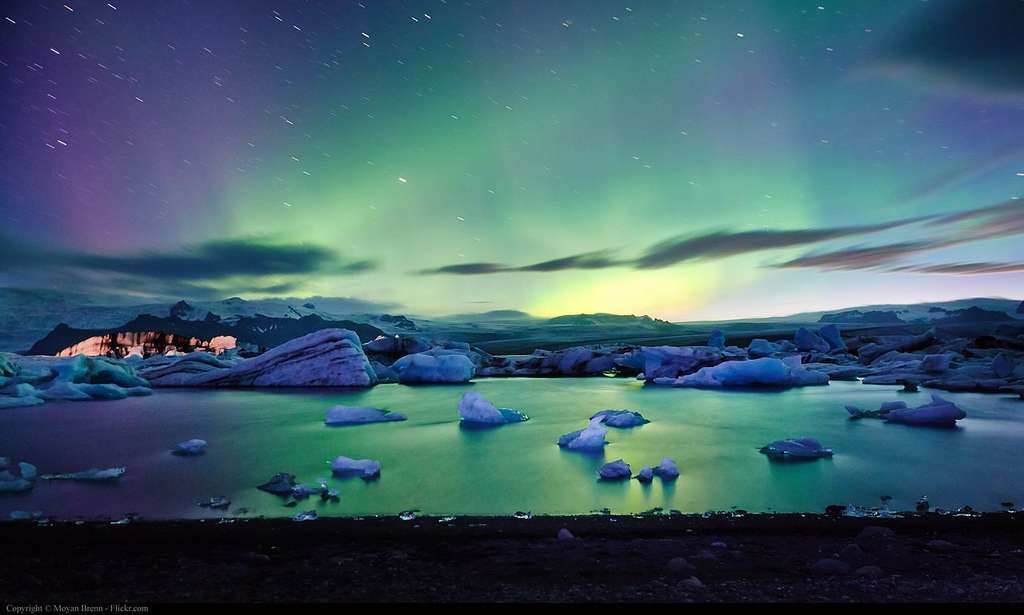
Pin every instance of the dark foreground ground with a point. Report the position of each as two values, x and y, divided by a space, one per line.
748 558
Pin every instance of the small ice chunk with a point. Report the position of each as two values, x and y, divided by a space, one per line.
796 448
645 475
309 515
667 469
368 469
195 446
216 502
615 470
339 416
621 418
92 474
475 409
589 439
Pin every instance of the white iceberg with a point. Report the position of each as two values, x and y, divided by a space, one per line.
621 418
328 357
589 439
765 372
368 469
195 446
339 416
425 368
474 408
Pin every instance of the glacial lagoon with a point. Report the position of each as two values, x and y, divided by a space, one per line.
434 465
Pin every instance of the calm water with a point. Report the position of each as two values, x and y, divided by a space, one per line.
432 464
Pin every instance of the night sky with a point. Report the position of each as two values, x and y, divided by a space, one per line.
688 160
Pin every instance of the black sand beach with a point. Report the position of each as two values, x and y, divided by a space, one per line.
725 558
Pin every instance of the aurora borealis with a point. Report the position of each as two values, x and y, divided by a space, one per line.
687 160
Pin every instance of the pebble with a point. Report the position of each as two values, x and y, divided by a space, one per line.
680 567
870 572
829 567
941 545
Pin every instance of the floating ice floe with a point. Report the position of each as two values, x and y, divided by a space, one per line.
192 447
92 474
940 412
367 469
615 470
340 416
475 409
886 408
621 418
16 477
796 448
217 502
589 439
425 368
309 515
767 372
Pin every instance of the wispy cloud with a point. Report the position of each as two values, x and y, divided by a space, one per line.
962 268
993 222
989 222
203 269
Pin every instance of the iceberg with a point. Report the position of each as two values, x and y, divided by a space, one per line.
796 448
832 336
761 348
423 368
716 339
667 469
589 439
16 477
194 446
328 357
368 469
92 474
477 410
940 413
645 475
621 418
615 470
767 372
807 340
340 416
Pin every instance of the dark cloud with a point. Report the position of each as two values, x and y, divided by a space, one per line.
963 268
468 269
601 259
589 260
974 44
723 244
993 222
213 260
990 222
203 271
713 245
862 257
